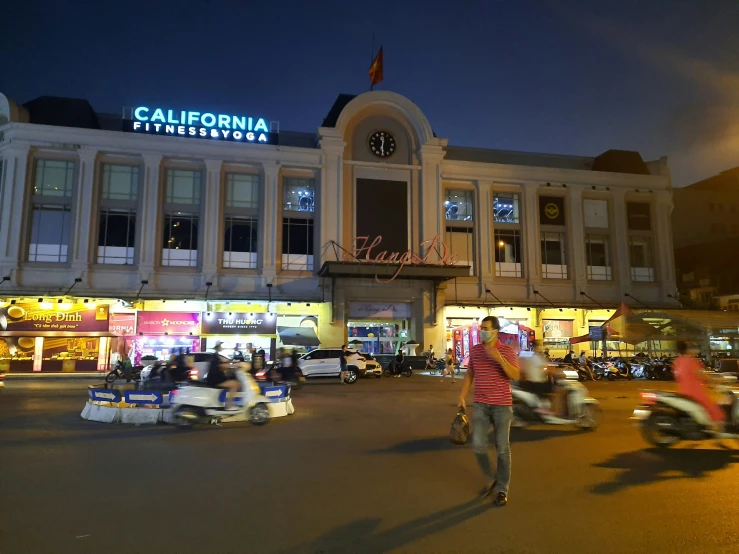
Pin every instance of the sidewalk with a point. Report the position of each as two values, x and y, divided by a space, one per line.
39 375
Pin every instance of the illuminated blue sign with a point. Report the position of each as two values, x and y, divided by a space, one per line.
157 121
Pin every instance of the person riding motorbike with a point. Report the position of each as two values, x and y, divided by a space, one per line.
216 378
569 358
692 384
539 378
399 361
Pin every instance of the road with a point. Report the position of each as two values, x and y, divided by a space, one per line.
363 468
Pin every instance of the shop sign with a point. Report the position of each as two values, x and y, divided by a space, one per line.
557 328
122 325
595 332
171 323
236 323
192 124
551 210
80 318
379 310
437 254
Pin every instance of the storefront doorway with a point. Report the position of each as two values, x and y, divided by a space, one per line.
378 327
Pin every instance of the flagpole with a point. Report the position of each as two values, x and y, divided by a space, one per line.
372 58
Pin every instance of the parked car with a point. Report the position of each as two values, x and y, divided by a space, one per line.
372 366
324 362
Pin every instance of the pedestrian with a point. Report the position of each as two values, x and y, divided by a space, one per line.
491 367
342 363
450 361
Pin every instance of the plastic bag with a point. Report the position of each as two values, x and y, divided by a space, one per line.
460 431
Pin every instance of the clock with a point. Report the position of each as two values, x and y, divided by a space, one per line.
382 144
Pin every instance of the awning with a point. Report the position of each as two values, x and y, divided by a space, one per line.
298 336
368 270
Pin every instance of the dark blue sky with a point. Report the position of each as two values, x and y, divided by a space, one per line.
569 76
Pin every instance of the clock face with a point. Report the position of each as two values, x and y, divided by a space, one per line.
382 144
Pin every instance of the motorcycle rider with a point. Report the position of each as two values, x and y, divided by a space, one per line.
692 384
569 358
540 379
216 378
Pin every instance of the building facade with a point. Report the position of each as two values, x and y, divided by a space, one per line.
188 211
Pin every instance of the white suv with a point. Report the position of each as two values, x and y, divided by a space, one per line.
324 362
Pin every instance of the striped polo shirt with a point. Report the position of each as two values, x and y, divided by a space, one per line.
492 385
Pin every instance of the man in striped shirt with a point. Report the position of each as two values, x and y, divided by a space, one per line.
492 366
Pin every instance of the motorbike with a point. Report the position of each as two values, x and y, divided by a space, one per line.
124 371
584 372
197 402
618 369
666 418
392 369
583 410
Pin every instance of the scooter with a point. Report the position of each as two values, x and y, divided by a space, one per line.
124 371
666 418
618 369
583 410
392 369
197 402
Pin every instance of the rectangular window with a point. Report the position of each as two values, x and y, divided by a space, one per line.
508 254
297 223
117 217
506 207
595 213
637 214
180 247
116 237
51 219
181 218
240 244
553 255
460 230
298 194
640 255
597 257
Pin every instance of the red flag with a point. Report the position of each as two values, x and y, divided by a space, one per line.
375 70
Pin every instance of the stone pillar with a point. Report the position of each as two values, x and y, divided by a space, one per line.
331 198
485 243
84 234
620 237
211 248
12 209
271 217
432 193
576 227
531 240
149 221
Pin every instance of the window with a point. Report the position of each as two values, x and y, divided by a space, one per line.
507 234
553 255
597 257
638 216
640 241
640 255
297 223
242 220
506 208
460 230
597 245
181 218
117 221
51 211
552 221
508 255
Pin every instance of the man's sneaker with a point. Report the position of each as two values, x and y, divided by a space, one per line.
501 500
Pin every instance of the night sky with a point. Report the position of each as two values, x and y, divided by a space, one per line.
568 77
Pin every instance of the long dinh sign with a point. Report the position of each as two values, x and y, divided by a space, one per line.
437 253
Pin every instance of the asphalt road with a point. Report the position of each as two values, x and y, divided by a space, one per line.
365 468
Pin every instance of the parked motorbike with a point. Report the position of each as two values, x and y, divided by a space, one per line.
197 402
582 410
666 418
584 372
124 371
618 369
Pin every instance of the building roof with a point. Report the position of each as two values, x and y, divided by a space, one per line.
339 104
620 161
484 155
63 112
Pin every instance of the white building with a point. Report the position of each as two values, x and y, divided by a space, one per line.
253 217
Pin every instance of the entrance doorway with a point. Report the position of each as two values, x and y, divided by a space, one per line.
378 337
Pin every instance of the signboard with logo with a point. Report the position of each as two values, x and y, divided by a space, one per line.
122 325
379 310
551 210
54 317
595 332
239 323
202 125
171 323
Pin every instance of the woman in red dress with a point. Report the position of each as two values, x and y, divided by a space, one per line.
690 382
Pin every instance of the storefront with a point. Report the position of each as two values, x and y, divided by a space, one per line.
380 327
161 334
54 336
240 332
556 335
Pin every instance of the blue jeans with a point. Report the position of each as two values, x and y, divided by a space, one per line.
500 418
